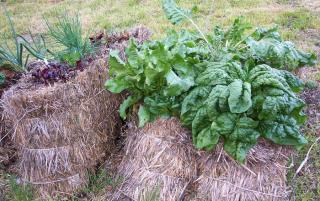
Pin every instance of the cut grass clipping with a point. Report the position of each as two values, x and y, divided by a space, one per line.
225 85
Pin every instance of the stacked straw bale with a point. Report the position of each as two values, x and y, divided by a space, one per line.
159 162
63 130
263 177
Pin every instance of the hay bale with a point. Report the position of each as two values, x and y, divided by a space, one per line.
62 130
262 178
159 162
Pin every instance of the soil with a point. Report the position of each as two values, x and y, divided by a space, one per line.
311 96
312 99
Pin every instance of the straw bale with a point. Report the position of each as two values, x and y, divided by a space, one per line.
263 177
62 130
159 162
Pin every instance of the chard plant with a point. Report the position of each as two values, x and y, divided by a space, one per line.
235 90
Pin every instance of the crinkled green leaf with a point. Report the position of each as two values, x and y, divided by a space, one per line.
293 81
217 100
240 96
237 150
200 121
281 103
283 130
192 102
279 54
239 134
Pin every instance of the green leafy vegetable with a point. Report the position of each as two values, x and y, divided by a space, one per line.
236 92
2 79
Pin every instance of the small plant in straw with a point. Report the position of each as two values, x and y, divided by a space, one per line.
68 32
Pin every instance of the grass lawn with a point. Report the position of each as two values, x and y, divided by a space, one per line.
299 21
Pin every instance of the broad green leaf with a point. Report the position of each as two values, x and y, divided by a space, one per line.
176 84
240 96
237 150
280 104
243 137
116 85
144 116
130 101
207 139
224 123
133 53
214 75
191 104
216 100
116 65
293 81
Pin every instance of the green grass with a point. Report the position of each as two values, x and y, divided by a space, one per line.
18 192
121 14
100 180
301 19
306 186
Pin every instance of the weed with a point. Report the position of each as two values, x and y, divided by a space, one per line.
301 19
17 191
305 185
152 195
100 181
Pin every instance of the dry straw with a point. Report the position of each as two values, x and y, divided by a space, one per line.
263 177
63 130
159 162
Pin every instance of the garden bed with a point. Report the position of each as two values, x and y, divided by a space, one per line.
63 127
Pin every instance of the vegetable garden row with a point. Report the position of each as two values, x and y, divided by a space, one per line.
231 89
